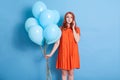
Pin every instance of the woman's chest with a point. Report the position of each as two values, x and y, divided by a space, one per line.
67 36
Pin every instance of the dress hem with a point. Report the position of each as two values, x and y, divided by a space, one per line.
68 69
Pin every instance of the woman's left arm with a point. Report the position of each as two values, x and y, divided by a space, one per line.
76 35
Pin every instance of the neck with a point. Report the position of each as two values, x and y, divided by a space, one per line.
68 25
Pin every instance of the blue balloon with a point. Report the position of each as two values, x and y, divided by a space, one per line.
37 8
46 18
52 33
56 16
30 22
36 35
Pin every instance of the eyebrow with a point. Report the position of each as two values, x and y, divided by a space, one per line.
70 16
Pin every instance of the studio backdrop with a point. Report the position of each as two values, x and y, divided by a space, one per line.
99 46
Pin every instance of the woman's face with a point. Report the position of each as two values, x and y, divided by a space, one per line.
69 18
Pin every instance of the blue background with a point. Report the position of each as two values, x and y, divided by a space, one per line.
99 20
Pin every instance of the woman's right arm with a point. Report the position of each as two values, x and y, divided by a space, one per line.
56 45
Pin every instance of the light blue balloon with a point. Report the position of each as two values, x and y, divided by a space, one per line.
37 8
30 22
36 35
52 33
46 18
56 16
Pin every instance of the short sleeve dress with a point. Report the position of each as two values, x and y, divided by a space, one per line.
68 53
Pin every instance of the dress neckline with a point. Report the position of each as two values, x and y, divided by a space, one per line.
68 27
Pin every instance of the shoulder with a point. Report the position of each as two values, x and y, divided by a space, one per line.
60 28
77 28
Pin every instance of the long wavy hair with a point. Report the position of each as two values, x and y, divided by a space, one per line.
64 26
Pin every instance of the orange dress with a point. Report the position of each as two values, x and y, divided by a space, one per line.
68 52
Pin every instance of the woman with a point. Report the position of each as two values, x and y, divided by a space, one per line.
68 52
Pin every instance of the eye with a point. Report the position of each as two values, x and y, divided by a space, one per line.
71 17
67 17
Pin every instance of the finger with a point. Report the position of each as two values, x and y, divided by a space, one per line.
46 57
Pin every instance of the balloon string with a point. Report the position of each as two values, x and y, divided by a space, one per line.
50 75
48 72
42 50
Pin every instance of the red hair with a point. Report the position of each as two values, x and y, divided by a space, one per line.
64 26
